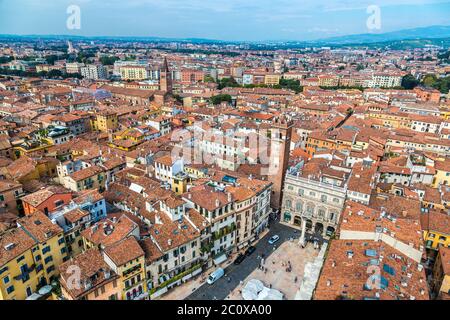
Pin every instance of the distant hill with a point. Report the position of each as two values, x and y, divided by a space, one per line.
432 32
417 37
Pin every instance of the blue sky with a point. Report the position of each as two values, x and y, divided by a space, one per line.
219 19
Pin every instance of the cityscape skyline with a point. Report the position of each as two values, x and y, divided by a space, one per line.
242 151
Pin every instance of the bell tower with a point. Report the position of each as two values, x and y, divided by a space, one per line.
280 142
165 78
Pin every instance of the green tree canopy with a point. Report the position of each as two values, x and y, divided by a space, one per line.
218 99
409 82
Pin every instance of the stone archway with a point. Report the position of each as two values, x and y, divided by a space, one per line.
297 221
309 224
330 231
287 216
318 228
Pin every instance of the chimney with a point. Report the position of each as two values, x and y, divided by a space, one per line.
217 202
229 197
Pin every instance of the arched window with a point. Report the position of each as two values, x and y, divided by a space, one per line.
288 203
331 216
321 213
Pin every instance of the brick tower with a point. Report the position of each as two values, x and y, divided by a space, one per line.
280 138
165 78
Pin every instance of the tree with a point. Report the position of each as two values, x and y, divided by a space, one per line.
228 82
409 82
108 60
208 79
429 80
218 99
84 56
5 59
54 74
441 84
178 98
291 84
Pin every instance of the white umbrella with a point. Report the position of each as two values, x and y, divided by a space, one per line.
270 294
248 294
255 284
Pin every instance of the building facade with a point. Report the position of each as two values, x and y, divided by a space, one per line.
316 204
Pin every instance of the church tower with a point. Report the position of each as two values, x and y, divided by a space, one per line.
280 139
165 78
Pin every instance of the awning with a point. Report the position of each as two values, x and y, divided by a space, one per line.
218 260
34 296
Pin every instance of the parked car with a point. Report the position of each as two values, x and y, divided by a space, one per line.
274 239
239 259
216 275
250 250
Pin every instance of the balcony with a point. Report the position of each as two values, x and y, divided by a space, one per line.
224 231
132 270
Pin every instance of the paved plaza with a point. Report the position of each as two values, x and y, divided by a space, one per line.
275 274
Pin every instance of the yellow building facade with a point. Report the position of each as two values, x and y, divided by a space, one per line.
30 256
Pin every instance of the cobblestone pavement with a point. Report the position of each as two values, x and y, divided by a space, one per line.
234 274
276 274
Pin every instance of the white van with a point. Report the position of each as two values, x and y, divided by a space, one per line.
216 275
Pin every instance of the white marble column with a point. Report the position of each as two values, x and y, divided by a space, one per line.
302 236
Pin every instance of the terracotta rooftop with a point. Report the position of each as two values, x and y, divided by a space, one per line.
124 251
109 231
38 197
94 270
39 226
346 273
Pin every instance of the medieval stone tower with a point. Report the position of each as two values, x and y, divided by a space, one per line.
280 139
165 78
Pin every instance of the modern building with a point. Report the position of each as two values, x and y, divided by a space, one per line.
94 72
